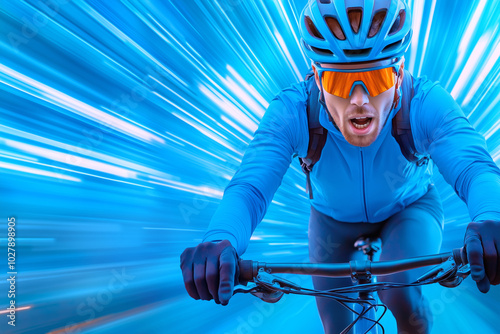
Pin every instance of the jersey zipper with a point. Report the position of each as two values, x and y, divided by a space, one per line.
363 184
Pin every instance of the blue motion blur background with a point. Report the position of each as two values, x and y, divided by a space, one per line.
121 122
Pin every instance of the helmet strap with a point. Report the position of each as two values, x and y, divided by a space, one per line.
397 95
321 99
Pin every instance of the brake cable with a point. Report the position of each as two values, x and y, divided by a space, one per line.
270 288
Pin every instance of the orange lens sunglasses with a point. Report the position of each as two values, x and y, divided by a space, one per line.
341 82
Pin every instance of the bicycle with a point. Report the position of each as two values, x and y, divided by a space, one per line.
258 279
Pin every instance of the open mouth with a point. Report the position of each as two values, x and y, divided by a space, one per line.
361 123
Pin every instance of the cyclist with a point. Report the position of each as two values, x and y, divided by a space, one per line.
362 184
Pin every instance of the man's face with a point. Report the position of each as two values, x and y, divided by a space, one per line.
360 117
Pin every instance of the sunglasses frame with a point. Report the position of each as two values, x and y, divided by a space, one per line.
395 63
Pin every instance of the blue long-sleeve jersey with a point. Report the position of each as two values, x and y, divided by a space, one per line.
359 184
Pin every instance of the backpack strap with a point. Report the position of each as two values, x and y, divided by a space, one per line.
317 133
401 127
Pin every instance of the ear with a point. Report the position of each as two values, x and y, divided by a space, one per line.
401 75
399 82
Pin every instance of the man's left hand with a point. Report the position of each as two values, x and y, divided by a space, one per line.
482 246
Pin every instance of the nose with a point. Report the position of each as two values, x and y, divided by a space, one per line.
359 95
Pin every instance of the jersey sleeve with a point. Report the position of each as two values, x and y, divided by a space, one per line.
460 153
282 132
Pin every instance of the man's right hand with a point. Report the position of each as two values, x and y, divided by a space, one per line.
209 271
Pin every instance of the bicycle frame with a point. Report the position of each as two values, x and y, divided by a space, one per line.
449 272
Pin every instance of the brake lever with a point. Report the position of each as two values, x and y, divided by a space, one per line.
267 278
262 292
446 268
267 287
251 287
447 274
457 278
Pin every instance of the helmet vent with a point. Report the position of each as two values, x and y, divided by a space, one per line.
358 52
325 1
398 24
355 16
323 52
335 27
377 22
306 45
312 28
392 46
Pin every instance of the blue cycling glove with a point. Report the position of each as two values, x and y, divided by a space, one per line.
482 246
209 271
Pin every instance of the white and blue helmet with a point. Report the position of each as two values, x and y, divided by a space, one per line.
348 31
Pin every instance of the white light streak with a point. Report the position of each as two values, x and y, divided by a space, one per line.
418 12
206 133
80 151
200 190
493 129
426 39
248 101
470 66
55 97
193 145
230 109
471 27
9 154
35 171
122 36
479 80
254 93
71 159
189 103
485 113
79 172
288 56
234 126
301 188
187 113
291 27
